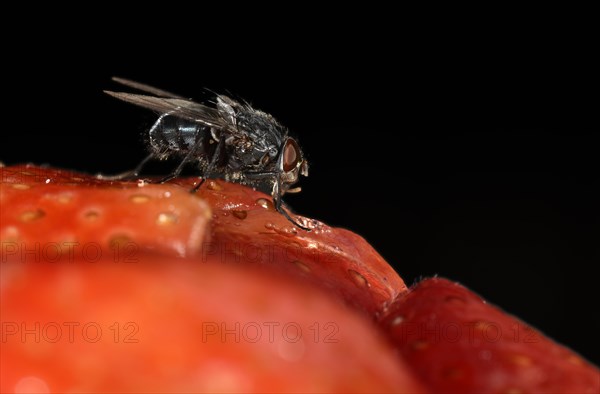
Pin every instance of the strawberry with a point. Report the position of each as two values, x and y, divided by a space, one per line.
59 213
245 224
456 342
163 324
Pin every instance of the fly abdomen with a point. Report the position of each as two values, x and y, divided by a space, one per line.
173 135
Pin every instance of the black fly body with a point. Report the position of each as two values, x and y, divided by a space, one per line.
229 140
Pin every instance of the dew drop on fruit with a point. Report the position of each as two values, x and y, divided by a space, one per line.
266 204
358 279
166 218
269 226
212 185
312 224
397 321
286 231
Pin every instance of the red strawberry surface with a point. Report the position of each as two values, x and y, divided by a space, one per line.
149 258
62 213
173 325
456 342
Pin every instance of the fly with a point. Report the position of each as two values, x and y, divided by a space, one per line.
228 140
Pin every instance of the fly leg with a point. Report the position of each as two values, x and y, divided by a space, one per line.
276 195
211 165
127 175
189 157
278 203
132 174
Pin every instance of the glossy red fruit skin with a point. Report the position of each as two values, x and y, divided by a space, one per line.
166 324
223 222
456 342
62 215
245 224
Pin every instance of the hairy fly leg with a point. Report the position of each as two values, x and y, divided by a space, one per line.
276 194
211 165
190 156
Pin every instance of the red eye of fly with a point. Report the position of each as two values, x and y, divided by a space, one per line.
291 155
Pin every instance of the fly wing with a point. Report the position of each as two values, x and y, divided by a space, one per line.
146 88
182 108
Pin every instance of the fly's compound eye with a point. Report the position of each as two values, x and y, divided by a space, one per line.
291 155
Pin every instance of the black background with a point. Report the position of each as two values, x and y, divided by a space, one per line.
455 151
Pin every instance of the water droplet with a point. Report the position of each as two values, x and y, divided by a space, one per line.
48 181
139 198
313 225
397 320
20 186
167 194
269 226
225 213
29 216
286 231
240 214
358 279
91 215
266 204
212 185
303 267
166 218
141 183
